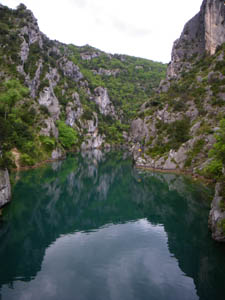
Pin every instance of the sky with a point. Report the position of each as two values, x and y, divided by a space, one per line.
142 28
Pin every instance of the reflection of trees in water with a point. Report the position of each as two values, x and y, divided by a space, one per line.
95 189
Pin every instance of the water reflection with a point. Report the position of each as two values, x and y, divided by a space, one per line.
84 195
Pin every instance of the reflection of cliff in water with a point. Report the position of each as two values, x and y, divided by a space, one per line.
97 189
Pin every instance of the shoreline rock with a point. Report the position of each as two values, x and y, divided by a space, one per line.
5 188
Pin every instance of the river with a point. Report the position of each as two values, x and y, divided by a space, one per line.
94 227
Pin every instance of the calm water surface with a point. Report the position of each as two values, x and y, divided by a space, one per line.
93 227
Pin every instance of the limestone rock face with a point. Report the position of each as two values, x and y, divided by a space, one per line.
216 215
102 100
93 139
203 33
74 110
5 187
71 70
49 128
139 130
214 24
48 99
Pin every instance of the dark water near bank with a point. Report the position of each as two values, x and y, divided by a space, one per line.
95 228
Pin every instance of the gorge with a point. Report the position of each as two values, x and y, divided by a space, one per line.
57 98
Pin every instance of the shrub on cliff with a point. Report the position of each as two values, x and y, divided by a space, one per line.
68 137
215 168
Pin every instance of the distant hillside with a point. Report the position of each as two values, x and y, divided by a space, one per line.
56 97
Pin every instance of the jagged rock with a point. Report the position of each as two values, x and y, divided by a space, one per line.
203 33
71 70
5 187
53 76
34 83
93 139
102 100
49 128
32 31
48 99
217 215
74 110
24 52
139 130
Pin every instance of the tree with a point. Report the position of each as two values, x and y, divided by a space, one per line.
67 135
12 91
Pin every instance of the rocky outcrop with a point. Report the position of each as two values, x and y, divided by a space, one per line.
48 99
5 188
139 130
106 72
89 56
49 128
74 110
104 103
203 33
70 70
214 24
217 215
93 140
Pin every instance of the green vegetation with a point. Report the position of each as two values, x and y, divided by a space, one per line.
68 137
214 169
132 80
197 148
176 134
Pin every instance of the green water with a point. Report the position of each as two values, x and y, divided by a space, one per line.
94 227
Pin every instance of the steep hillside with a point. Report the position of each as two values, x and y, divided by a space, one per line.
182 127
56 97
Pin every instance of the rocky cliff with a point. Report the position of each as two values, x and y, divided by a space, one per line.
63 92
182 127
56 97
201 35
5 188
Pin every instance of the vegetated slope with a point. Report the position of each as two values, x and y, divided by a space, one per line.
55 97
182 127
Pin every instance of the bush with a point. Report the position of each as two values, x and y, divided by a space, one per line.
48 142
218 150
214 169
26 160
68 137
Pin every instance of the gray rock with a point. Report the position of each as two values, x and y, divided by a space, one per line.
203 33
216 216
48 99
49 128
5 188
104 103
139 130
74 110
71 70
56 153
